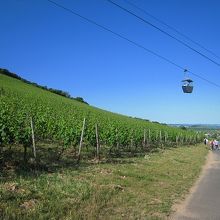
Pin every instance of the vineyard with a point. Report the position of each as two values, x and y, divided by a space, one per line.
28 114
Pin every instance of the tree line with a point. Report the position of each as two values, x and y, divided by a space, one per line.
56 91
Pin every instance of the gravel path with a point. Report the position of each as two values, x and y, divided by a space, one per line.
203 202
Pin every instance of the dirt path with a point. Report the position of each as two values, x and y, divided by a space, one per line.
203 201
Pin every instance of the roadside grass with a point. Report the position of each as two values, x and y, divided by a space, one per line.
125 188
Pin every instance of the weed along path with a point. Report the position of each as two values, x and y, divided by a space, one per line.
142 187
204 199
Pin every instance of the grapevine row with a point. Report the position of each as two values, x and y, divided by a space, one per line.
60 120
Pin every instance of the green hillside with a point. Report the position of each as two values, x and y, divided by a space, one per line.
60 119
120 186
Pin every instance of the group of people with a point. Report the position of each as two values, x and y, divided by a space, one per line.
214 145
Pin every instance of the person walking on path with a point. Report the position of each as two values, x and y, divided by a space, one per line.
212 144
216 144
206 141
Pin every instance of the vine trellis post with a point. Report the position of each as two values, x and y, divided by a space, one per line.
33 138
97 142
81 139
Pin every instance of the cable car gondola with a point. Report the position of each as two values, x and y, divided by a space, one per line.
187 85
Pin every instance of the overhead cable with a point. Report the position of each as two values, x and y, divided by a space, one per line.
164 32
171 28
130 41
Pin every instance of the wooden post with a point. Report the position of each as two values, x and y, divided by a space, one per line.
149 137
33 138
131 143
81 140
131 139
165 137
144 138
177 140
180 139
160 137
117 138
97 141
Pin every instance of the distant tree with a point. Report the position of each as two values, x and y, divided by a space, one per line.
60 92
183 128
164 124
80 99
142 119
156 122
7 73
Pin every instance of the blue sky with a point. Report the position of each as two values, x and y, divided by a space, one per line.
52 47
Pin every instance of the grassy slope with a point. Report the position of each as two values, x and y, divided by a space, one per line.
32 92
15 85
60 119
135 188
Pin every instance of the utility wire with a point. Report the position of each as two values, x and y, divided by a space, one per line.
204 79
164 32
119 35
172 28
130 41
